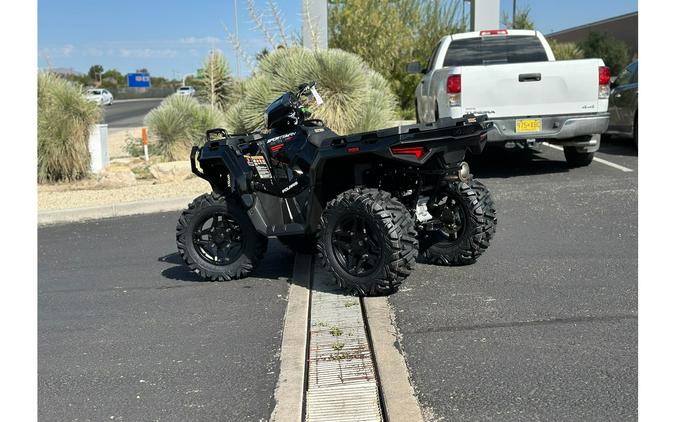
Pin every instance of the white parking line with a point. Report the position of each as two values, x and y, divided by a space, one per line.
599 160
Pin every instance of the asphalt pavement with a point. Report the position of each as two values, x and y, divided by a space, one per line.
123 114
125 332
544 325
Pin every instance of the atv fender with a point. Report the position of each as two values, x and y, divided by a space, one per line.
217 162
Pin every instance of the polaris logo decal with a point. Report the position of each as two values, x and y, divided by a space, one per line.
289 187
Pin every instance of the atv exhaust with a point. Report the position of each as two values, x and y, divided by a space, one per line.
461 172
464 173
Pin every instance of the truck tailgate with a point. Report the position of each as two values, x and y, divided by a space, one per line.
507 90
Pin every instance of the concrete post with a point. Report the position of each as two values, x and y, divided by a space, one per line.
98 147
484 15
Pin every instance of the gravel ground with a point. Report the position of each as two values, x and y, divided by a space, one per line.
117 141
78 195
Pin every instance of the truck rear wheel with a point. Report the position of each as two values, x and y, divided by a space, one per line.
469 219
576 158
217 240
367 241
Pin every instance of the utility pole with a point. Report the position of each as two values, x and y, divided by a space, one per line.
513 16
236 34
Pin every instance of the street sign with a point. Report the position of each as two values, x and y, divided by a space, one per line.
138 80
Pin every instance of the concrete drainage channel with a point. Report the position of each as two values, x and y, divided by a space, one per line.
336 364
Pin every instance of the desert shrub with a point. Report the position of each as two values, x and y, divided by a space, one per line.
179 123
134 147
216 84
64 120
356 97
565 50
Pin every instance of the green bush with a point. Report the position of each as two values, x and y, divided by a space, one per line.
179 123
566 50
613 52
65 117
356 98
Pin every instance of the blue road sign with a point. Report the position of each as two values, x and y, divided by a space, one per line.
138 80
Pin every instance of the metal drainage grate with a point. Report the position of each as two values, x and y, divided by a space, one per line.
341 384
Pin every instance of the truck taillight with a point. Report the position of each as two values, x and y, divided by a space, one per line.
604 78
454 89
454 84
494 32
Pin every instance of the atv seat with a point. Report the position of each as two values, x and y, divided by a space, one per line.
319 136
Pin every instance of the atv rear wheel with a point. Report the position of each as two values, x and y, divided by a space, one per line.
299 243
470 219
217 240
367 241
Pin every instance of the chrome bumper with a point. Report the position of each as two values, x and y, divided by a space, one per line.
552 128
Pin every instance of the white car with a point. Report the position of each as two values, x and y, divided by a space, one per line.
99 96
186 90
513 78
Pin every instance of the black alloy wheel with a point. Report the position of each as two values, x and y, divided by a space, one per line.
217 239
355 245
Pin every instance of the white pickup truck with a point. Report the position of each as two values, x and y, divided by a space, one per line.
512 76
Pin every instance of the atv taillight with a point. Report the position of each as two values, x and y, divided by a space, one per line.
418 152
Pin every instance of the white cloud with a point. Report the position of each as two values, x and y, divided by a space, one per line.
202 40
93 52
145 53
65 51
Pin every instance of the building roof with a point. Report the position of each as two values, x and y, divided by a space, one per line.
596 23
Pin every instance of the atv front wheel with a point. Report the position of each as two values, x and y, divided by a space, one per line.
469 220
217 240
367 241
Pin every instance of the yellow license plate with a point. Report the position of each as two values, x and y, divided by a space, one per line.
528 125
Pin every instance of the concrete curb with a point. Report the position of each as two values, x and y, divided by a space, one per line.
72 215
290 389
400 402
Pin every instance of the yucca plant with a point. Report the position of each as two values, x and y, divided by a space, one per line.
179 123
65 117
356 97
566 50
216 84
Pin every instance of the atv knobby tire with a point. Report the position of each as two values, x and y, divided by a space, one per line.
478 226
194 249
299 243
382 236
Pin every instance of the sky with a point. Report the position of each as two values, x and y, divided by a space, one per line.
171 38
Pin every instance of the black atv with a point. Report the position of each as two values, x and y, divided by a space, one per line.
367 203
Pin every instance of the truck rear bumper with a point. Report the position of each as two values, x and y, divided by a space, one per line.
558 127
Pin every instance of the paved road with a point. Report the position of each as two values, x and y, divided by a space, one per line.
125 331
544 326
122 114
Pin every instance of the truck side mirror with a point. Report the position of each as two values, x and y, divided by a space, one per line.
414 67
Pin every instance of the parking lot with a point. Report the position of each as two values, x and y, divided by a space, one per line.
542 327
